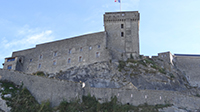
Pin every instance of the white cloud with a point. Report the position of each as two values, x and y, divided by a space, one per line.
27 37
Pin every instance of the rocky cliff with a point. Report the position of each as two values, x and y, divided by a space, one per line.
142 73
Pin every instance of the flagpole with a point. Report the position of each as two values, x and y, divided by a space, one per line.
120 5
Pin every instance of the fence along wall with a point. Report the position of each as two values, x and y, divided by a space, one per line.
56 91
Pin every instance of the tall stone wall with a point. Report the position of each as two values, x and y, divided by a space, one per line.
190 66
122 29
56 91
61 55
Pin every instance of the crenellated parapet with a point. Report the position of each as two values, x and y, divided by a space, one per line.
121 16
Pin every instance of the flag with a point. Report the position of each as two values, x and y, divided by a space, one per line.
118 1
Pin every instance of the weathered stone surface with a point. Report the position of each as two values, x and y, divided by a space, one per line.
107 75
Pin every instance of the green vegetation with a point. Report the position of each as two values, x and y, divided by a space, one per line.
122 64
23 101
171 75
145 62
90 104
197 95
39 73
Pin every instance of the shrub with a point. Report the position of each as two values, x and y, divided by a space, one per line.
121 65
39 73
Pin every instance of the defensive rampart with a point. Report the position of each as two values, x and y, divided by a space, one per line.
56 91
59 55
189 65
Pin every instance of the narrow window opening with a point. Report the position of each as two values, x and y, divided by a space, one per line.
55 53
90 47
20 60
54 62
122 25
39 66
31 60
40 56
122 34
9 67
97 54
98 46
69 60
70 51
80 58
81 49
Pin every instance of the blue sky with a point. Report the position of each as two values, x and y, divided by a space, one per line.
165 25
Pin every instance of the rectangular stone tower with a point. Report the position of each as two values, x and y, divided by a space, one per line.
122 30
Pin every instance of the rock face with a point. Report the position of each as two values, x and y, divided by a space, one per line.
99 75
143 74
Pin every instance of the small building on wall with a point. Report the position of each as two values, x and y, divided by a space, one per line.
119 41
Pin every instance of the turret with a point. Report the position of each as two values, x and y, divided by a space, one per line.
122 30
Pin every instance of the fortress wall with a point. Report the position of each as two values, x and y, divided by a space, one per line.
44 89
23 52
151 97
56 91
191 67
62 47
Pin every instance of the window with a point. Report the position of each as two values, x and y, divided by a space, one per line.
90 47
81 49
122 25
9 67
70 51
41 56
20 60
122 34
55 53
10 59
80 58
97 54
54 62
69 60
31 60
39 66
98 46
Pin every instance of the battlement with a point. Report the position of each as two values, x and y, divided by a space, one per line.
121 16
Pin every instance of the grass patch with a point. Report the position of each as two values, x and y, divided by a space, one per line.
171 76
39 73
90 104
121 65
22 100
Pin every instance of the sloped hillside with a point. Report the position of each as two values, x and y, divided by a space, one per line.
144 73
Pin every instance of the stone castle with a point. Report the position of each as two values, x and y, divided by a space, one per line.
120 40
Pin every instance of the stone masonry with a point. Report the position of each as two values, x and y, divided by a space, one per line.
119 41
56 91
